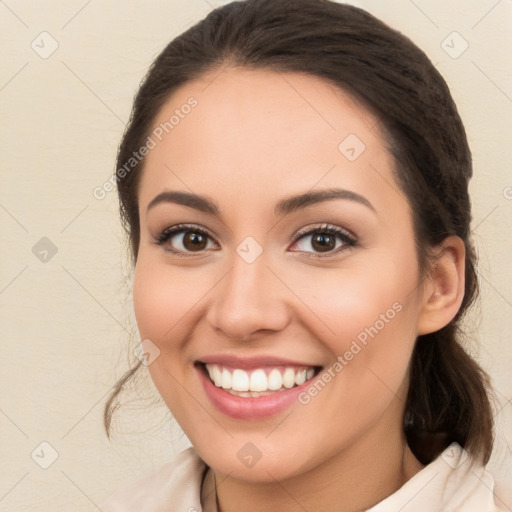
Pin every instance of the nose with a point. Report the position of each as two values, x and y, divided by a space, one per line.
250 300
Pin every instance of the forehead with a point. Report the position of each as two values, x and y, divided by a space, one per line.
252 132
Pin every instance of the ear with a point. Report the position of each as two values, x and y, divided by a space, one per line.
444 287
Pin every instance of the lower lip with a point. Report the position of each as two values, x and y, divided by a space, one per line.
250 408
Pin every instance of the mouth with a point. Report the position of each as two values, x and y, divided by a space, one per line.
258 381
253 388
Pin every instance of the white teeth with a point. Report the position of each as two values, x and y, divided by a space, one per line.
289 378
240 380
300 377
226 379
216 375
257 382
275 381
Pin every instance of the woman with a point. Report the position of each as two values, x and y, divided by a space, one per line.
294 183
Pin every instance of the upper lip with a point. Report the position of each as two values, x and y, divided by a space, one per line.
252 362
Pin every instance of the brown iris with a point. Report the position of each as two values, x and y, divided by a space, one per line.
194 241
323 242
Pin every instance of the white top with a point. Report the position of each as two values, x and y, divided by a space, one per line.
450 483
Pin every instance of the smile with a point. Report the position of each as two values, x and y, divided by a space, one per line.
259 381
253 389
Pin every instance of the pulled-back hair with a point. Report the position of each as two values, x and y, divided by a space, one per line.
448 392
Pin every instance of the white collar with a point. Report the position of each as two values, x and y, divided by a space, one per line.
452 482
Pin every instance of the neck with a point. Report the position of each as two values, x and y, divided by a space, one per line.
353 480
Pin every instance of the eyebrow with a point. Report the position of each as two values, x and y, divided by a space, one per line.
284 207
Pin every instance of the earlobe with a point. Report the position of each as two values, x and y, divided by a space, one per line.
444 289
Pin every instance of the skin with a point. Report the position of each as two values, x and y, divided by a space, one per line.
255 138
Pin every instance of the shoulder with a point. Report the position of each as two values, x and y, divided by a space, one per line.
452 482
174 486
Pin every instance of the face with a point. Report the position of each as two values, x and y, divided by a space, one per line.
248 292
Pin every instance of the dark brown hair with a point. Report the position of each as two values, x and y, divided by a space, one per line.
448 392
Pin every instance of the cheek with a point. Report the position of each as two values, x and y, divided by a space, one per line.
360 303
374 335
369 313
161 299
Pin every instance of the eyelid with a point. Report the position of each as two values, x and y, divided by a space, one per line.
170 230
328 227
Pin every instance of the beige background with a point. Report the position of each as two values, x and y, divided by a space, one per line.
66 321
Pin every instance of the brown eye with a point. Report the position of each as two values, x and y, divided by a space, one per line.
329 240
184 240
194 241
323 242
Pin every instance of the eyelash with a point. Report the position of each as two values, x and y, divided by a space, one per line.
348 240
